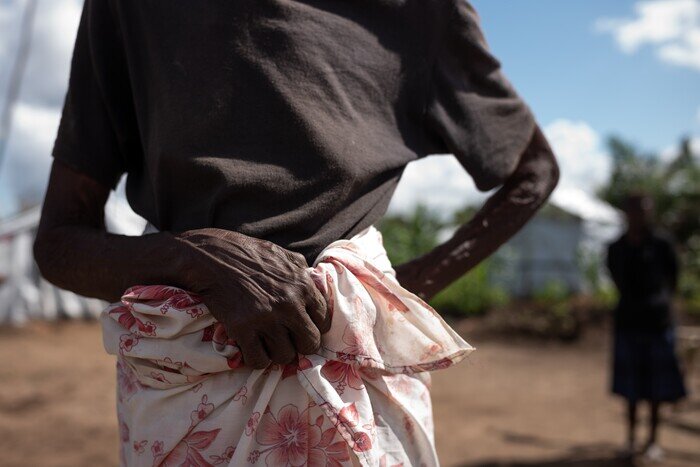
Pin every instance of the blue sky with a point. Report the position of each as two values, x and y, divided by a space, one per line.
588 68
564 68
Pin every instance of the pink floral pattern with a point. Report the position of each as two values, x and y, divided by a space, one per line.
285 438
223 458
202 411
252 423
157 449
185 392
188 452
140 446
127 342
127 383
342 375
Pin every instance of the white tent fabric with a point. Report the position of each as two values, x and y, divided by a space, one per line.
602 223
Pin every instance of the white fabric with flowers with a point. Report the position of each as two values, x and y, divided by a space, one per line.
186 398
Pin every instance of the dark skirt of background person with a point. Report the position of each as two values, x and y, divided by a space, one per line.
645 366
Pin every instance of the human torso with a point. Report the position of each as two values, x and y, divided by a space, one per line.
645 289
285 120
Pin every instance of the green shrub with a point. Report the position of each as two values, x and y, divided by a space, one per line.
408 236
605 297
552 292
472 294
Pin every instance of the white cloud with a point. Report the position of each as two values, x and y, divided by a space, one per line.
695 145
582 158
26 168
671 152
23 172
671 27
46 76
439 182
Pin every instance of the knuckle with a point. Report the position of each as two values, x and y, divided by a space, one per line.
285 358
297 258
294 317
320 301
267 248
311 343
260 364
252 355
326 326
257 361
292 299
310 289
286 295
263 309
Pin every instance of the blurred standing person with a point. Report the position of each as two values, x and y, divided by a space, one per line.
644 268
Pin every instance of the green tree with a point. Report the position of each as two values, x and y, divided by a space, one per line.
408 236
632 172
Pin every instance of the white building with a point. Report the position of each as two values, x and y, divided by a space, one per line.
558 245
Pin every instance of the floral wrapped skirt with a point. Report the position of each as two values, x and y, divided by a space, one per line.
186 398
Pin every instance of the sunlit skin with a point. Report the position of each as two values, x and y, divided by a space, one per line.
260 291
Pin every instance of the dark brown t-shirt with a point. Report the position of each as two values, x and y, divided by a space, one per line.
286 120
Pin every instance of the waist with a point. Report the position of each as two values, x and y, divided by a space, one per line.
367 243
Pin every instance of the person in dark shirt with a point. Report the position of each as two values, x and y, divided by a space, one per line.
644 268
255 133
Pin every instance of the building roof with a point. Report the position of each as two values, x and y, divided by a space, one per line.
585 206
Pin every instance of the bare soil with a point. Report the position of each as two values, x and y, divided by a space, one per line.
513 403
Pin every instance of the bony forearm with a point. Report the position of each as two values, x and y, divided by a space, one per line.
74 251
94 263
498 220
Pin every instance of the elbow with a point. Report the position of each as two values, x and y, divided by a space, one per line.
537 173
45 253
543 165
538 178
40 250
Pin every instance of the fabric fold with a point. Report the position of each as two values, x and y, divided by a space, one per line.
185 393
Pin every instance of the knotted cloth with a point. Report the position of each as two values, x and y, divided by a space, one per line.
185 397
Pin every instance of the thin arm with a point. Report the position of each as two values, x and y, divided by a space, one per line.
75 252
503 214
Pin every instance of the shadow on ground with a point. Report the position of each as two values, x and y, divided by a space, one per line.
583 455
592 462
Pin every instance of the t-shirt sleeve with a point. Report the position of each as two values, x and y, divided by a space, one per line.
96 127
472 110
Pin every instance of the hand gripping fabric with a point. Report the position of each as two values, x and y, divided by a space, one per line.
186 397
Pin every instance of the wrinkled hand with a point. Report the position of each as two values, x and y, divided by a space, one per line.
262 294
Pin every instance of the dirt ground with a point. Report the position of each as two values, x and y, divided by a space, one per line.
511 404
